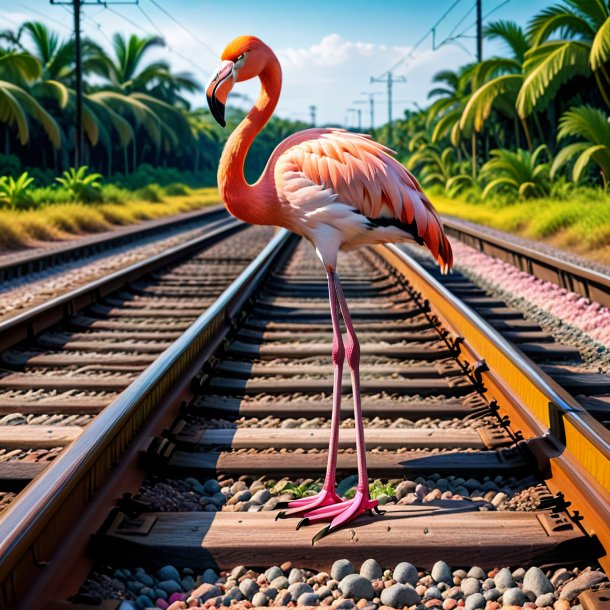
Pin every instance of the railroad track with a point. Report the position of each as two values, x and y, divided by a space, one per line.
481 458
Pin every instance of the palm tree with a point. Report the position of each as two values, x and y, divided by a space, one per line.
496 81
583 49
134 91
592 126
17 105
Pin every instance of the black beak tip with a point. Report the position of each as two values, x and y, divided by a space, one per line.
217 109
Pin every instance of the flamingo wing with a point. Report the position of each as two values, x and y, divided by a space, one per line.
317 168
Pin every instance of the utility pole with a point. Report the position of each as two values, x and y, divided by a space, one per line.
312 112
359 111
371 97
479 31
78 60
389 80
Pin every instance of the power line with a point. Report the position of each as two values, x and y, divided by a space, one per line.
60 23
432 30
193 36
146 16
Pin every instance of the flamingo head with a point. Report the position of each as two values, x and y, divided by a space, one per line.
244 58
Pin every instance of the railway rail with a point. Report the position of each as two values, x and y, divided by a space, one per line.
467 405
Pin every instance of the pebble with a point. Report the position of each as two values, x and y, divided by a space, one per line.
561 604
371 569
560 575
296 575
406 573
297 589
169 586
211 487
492 595
280 582
544 600
504 580
343 604
449 603
238 571
441 572
476 572
470 585
356 587
205 591
518 574
144 602
272 573
260 599
433 593
324 592
168 573
248 587
582 582
536 582
308 599
492 605
127 604
209 576
341 568
474 601
399 595
513 596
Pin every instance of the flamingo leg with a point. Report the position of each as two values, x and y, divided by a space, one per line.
327 496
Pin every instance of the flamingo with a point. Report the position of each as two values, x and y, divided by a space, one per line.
339 190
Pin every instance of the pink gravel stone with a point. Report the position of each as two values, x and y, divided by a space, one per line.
161 603
177 605
492 605
177 597
449 604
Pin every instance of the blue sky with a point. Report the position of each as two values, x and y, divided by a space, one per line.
328 49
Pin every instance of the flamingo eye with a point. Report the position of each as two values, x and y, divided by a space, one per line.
240 57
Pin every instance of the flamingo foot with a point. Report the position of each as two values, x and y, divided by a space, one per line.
340 514
298 508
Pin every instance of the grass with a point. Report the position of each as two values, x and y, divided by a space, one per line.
24 228
580 224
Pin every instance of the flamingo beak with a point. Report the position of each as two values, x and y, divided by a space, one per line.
218 88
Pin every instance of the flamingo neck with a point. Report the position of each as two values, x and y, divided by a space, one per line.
244 201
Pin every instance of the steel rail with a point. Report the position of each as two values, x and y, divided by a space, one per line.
588 283
19 266
571 447
36 319
35 524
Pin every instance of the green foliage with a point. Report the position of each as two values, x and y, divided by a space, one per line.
592 127
151 192
518 173
177 188
83 187
14 193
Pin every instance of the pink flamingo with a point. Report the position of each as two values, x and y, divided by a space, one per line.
339 190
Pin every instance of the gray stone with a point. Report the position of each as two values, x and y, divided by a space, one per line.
344 604
536 582
345 485
489 584
470 585
238 486
371 569
297 589
504 580
168 573
559 576
474 601
405 573
279 583
308 599
143 577
441 572
283 599
161 593
145 602
211 487
581 583
546 599
233 593
218 500
170 586
187 583
296 575
514 597
127 604
324 592
249 588
518 574
209 576
356 587
260 599
433 593
270 592
341 568
492 595
238 571
402 489
273 572
399 595
476 572
135 585
261 496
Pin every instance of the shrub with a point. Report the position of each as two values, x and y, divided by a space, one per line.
83 187
177 188
111 193
14 193
152 192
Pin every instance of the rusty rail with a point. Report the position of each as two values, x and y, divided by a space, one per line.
35 524
572 448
